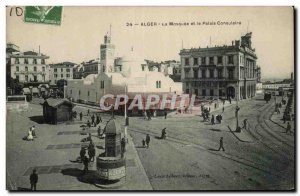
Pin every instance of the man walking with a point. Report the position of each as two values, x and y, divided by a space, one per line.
33 180
92 153
212 119
93 119
245 124
221 144
80 115
165 113
147 140
223 109
82 153
86 164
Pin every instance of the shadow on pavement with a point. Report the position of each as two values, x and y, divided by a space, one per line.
37 119
212 149
219 130
140 147
23 189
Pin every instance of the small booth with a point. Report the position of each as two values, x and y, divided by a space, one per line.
111 164
56 111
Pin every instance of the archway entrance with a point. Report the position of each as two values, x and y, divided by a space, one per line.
231 92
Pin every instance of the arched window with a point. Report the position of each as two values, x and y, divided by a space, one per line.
159 84
156 84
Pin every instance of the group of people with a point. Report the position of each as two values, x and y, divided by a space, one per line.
31 134
91 153
146 142
95 120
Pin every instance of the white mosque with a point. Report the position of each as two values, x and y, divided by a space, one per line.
130 70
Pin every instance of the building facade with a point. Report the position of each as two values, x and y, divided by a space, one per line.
220 71
61 71
78 72
29 67
91 67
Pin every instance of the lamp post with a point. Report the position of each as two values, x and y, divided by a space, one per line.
126 117
237 108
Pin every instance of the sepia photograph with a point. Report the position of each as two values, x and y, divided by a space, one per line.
157 98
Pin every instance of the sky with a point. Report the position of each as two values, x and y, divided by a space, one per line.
81 32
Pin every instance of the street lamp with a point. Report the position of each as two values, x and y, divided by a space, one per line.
237 108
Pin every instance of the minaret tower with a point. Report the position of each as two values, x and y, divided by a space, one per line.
107 54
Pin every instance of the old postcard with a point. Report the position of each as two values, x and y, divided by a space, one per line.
150 98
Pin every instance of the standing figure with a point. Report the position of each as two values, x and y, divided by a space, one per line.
33 180
144 143
99 131
165 113
223 109
212 119
147 140
86 164
82 153
97 120
92 153
88 124
93 119
80 115
221 144
88 112
288 129
245 124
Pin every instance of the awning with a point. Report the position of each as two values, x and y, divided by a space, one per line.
26 91
35 90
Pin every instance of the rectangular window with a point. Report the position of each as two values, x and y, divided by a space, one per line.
186 61
17 61
34 61
35 78
203 73
195 61
26 68
230 74
220 92
230 59
68 75
17 78
203 61
203 92
25 61
211 92
55 69
102 84
26 78
68 70
61 75
196 92
211 60
211 73
220 74
34 68
17 68
43 61
186 74
195 73
187 91
61 69
71 92
55 75
220 61
43 69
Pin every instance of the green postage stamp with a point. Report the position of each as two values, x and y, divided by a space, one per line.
43 14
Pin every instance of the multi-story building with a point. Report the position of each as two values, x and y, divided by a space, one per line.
258 72
220 71
61 71
91 67
78 71
28 67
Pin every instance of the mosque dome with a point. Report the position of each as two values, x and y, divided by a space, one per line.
131 63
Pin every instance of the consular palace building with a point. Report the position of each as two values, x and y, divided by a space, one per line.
220 71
